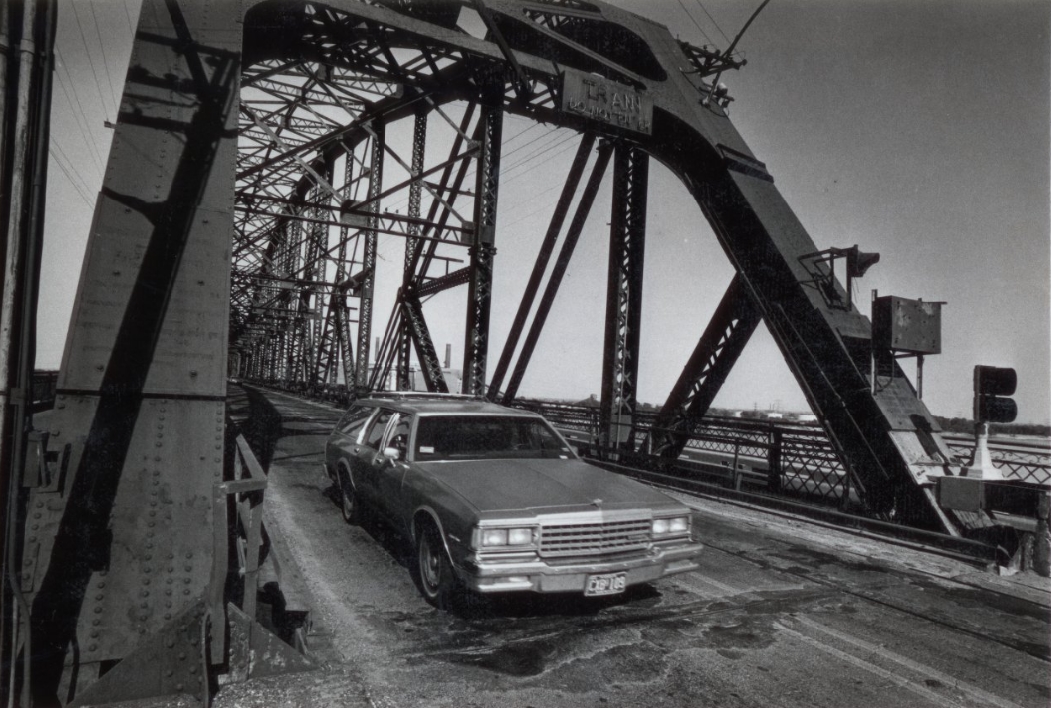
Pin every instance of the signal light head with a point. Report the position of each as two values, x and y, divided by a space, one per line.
992 385
858 262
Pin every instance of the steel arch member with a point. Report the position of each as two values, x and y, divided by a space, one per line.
648 90
147 354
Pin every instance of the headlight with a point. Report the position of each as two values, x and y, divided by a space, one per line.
674 525
507 537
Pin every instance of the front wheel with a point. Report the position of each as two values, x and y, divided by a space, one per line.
349 504
434 570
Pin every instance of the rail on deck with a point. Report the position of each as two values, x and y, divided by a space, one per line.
779 459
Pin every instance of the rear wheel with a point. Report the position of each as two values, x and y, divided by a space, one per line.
349 504
434 570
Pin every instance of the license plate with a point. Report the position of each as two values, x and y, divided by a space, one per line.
605 584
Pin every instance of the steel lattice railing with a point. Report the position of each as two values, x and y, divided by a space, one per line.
790 459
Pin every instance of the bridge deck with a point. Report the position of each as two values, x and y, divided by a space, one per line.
782 612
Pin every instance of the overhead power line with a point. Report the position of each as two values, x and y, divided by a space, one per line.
695 23
705 11
102 46
91 61
78 112
72 181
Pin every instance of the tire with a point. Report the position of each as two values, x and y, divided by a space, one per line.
434 571
349 504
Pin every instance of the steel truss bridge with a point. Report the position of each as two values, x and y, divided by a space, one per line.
253 169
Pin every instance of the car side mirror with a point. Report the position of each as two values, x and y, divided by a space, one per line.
392 453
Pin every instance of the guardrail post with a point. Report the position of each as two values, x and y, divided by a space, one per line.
736 470
773 461
217 584
1042 548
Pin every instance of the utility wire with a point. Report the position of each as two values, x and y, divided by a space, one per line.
705 10
91 61
102 46
78 117
72 181
80 107
695 23
470 173
55 145
131 25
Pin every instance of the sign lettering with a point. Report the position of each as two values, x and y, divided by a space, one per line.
606 101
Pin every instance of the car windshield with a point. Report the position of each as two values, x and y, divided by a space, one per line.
479 437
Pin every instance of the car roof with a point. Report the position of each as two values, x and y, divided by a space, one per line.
441 403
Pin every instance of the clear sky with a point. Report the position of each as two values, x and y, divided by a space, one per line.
917 129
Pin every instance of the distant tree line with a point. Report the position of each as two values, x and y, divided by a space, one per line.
966 426
949 425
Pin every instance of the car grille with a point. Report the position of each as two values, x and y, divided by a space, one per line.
594 539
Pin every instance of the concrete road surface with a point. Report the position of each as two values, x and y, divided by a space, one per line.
783 612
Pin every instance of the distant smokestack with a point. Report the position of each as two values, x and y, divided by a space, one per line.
448 356
375 351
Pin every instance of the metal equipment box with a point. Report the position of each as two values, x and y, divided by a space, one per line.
961 493
904 325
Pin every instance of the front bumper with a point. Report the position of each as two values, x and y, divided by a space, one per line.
537 575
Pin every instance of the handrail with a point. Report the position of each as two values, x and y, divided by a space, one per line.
247 487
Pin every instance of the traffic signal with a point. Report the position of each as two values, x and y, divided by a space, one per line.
992 386
858 262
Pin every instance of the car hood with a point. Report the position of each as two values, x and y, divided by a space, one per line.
544 484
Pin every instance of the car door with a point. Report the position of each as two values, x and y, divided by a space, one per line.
390 473
367 456
343 443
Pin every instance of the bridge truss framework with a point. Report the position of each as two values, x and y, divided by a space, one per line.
251 174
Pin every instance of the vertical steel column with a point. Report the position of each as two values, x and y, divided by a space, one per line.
342 334
307 331
368 281
620 363
479 295
140 400
26 124
419 144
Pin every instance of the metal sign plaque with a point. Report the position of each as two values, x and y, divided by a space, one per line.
606 101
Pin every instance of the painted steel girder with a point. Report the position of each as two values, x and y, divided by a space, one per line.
480 288
620 361
717 350
419 144
558 271
412 316
368 264
139 421
889 438
547 248
146 355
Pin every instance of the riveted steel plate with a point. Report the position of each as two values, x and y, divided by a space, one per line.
160 560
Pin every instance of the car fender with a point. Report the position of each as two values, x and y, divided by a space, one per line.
460 548
342 465
433 515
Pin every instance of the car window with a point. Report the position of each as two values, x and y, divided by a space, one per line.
399 434
486 437
354 420
375 432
